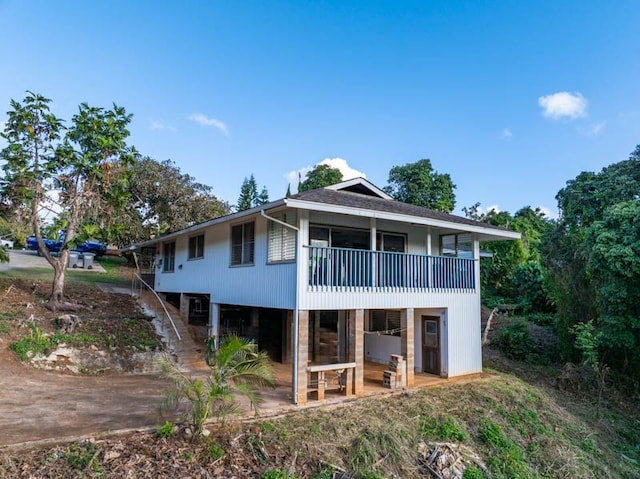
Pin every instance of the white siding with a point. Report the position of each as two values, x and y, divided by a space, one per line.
461 346
262 284
378 348
381 300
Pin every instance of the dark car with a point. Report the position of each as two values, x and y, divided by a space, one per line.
90 246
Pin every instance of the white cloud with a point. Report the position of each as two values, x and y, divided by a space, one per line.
505 134
159 126
204 120
592 130
339 163
342 165
548 212
563 105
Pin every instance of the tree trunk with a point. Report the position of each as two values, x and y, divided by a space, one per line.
56 300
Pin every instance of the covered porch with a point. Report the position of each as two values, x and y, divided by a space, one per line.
330 355
280 398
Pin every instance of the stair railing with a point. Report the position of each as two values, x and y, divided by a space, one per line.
137 276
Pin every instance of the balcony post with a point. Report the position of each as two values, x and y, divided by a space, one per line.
214 322
476 263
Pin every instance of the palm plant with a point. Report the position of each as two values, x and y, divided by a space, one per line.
237 367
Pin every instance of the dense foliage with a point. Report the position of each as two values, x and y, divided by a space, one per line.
514 273
593 255
162 199
319 177
419 184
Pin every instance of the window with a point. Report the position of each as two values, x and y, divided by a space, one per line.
460 246
385 322
335 237
169 257
242 244
196 247
282 240
390 242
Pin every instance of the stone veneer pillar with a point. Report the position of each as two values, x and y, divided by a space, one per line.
356 348
407 342
303 356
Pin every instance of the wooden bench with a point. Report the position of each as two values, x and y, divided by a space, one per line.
321 384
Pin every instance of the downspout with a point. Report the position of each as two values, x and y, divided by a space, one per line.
295 314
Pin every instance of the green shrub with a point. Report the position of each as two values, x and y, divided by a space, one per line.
515 340
4 327
33 344
447 430
215 451
82 456
473 472
542 319
165 431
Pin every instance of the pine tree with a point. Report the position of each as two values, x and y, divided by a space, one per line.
262 198
248 194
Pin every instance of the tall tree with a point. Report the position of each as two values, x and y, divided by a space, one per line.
419 184
590 255
514 273
249 196
263 197
85 168
319 177
162 199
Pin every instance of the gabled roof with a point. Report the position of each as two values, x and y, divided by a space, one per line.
347 202
360 185
359 197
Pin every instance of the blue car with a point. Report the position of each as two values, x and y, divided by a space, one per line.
90 246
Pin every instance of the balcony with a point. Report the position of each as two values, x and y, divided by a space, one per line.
337 269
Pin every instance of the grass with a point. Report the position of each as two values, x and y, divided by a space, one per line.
38 342
116 273
519 430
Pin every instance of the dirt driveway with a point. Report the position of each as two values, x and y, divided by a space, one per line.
37 404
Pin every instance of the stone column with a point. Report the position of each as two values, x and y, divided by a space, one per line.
407 343
184 306
303 356
356 348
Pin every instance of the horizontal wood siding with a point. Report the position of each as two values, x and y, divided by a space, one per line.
260 284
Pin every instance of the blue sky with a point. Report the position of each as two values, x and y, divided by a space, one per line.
512 99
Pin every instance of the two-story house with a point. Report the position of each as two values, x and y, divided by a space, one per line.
338 275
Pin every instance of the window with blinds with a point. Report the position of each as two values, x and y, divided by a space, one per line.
282 240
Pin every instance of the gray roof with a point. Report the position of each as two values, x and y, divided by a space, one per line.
356 200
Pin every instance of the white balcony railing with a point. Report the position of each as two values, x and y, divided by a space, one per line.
333 268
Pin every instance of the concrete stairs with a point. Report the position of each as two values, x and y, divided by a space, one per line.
188 354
